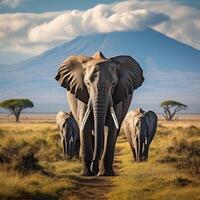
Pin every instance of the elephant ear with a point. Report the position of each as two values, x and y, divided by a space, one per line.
70 76
151 121
130 77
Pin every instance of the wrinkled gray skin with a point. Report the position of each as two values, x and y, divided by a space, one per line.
99 92
140 127
69 134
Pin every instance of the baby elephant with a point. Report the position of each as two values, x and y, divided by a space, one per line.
140 127
69 133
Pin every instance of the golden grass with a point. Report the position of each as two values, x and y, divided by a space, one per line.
159 178
154 179
185 122
34 186
43 141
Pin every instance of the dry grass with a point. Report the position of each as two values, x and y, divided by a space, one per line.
172 171
32 166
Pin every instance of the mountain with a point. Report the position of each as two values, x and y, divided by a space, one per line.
161 58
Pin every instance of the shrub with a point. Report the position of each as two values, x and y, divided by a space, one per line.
163 131
179 181
189 155
179 147
167 159
27 163
192 131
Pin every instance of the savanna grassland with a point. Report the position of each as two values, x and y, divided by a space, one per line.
32 166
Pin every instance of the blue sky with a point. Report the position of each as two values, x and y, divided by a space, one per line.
38 6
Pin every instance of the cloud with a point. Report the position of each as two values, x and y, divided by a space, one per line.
14 35
10 3
184 24
96 20
34 33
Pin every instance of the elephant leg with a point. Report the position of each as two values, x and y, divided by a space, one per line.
133 152
108 155
86 150
77 146
62 140
70 145
131 141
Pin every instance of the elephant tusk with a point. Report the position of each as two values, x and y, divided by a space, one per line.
112 112
135 147
143 147
87 113
71 139
145 140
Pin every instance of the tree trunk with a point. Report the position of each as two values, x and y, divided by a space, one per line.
167 114
17 112
17 117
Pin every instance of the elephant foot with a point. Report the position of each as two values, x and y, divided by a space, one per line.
87 173
94 167
107 173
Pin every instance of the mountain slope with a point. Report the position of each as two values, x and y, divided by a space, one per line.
34 78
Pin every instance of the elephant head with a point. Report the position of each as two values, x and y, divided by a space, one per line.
145 124
100 83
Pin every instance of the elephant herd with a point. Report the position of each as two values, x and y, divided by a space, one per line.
99 92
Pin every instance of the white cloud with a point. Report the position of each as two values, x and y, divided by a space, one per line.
14 30
96 20
184 23
10 3
45 30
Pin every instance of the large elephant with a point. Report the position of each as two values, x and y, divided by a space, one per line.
69 134
99 92
140 127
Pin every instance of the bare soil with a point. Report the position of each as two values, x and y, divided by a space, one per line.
96 187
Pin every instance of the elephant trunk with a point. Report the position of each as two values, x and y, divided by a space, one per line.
99 111
140 142
138 139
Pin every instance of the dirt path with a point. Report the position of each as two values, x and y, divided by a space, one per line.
93 187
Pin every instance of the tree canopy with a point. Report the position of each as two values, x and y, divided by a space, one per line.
171 107
15 106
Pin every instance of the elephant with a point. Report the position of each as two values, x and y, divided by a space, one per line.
140 128
99 92
69 134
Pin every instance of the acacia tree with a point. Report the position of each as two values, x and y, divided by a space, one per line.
170 108
15 106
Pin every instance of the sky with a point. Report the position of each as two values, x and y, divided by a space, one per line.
30 27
